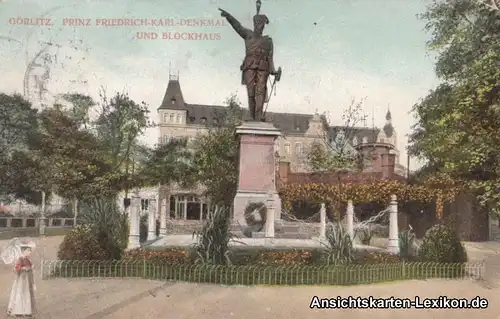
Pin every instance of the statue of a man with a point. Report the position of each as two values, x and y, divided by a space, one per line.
258 63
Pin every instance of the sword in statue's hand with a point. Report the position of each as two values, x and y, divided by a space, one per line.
277 78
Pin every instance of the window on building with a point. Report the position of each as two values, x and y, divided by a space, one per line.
203 120
188 206
144 205
287 148
178 119
365 140
165 139
298 148
173 101
165 118
172 117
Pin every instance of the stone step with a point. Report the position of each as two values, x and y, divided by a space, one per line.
293 236
288 229
283 235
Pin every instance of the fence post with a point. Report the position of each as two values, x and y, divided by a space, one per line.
133 237
393 246
152 220
404 270
144 272
322 222
350 219
269 226
163 218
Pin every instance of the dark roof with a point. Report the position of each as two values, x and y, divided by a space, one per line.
173 98
360 133
287 123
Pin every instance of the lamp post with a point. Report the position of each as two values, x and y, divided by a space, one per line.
42 216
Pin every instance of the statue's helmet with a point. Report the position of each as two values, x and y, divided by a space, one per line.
260 19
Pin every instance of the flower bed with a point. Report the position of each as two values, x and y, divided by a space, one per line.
257 256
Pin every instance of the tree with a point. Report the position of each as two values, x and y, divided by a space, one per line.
69 161
457 123
338 155
169 162
216 154
17 124
117 124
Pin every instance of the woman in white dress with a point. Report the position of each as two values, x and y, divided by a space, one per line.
22 295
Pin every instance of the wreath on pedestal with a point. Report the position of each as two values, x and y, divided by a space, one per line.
254 224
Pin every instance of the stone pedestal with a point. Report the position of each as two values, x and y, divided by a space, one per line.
163 218
257 167
152 220
393 245
133 237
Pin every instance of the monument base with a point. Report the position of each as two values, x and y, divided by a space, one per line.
241 201
257 168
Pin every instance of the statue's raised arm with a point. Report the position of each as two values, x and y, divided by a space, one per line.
241 30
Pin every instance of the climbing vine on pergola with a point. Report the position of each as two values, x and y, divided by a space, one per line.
432 190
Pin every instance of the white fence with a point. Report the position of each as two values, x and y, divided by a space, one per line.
31 222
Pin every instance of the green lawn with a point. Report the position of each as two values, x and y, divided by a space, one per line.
32 232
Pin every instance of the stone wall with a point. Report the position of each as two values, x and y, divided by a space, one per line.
182 227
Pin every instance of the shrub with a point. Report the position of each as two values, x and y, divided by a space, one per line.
212 241
285 257
365 235
169 256
379 257
143 228
338 246
108 224
441 244
82 243
406 244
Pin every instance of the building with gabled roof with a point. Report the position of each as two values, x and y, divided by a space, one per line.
179 119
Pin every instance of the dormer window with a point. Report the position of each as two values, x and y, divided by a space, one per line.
172 101
203 120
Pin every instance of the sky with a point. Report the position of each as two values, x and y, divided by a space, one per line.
331 51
